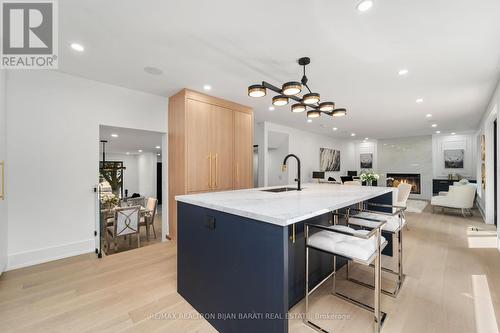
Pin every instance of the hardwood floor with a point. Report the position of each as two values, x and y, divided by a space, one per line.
452 285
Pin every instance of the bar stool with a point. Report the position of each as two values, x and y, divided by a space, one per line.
368 218
360 246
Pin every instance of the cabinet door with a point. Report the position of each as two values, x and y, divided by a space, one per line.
222 147
198 146
243 150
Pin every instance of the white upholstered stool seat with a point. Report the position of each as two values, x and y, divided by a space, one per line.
344 245
393 223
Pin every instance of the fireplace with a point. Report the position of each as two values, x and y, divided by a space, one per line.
408 178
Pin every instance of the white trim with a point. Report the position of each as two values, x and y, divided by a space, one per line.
29 258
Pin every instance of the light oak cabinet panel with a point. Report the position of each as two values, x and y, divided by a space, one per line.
222 147
198 147
243 150
209 147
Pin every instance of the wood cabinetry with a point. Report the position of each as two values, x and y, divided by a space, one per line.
210 144
243 150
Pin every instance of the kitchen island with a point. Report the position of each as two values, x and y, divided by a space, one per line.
241 254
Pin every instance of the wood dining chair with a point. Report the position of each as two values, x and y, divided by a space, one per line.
148 220
126 223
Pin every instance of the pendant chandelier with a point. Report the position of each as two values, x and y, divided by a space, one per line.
309 101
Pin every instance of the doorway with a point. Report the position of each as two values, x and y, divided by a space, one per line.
159 182
129 193
277 149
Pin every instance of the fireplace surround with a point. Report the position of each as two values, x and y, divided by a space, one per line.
408 178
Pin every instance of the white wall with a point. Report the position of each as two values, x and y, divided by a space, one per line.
146 167
407 155
276 151
366 147
53 149
3 148
131 173
306 146
465 141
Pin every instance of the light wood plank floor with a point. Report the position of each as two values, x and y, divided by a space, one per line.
450 287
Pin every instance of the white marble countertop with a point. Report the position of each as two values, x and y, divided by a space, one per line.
285 208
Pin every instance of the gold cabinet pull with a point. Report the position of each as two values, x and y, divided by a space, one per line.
237 174
216 171
292 237
209 170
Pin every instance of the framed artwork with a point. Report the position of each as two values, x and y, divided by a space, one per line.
454 158
366 161
329 159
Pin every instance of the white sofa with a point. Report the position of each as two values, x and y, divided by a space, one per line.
459 196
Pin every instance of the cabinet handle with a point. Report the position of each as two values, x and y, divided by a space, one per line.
216 171
209 170
292 238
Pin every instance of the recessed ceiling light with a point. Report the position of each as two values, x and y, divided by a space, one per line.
428 115
403 72
437 132
434 125
157 147
77 47
419 100
335 128
272 108
453 133
140 150
309 120
153 70
207 87
366 138
114 135
364 5
353 134
128 153
158 154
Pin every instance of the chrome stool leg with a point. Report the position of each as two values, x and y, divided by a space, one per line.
306 320
398 272
378 315
378 275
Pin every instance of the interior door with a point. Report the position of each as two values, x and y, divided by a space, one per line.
222 147
243 150
198 115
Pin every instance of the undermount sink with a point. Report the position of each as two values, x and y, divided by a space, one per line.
281 189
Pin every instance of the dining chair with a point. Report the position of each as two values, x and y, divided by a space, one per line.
148 220
126 223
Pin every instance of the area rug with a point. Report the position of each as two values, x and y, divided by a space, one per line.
416 206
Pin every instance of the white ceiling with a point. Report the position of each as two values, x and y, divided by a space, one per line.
129 140
451 49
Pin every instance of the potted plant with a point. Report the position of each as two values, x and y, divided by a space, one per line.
368 177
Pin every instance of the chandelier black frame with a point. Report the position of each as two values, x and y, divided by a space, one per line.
290 90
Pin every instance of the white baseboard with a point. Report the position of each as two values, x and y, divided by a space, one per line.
30 258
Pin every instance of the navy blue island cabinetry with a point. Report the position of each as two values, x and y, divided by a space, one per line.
244 274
